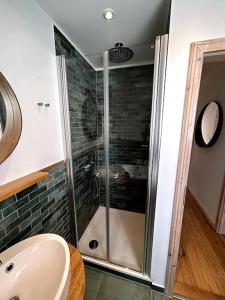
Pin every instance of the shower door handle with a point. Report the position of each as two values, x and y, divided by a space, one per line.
88 167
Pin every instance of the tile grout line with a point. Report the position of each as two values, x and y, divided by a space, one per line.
98 288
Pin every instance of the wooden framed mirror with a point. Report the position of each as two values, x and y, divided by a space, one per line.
10 119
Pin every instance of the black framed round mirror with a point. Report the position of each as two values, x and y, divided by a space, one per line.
209 124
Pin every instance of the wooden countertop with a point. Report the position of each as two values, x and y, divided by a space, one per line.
77 283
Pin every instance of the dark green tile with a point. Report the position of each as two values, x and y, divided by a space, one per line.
27 206
115 288
8 210
17 221
37 192
93 279
2 233
39 218
26 191
28 221
7 202
19 237
47 205
45 194
36 206
15 205
38 228
5 222
22 201
9 237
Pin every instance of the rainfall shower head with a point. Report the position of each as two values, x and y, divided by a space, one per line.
120 54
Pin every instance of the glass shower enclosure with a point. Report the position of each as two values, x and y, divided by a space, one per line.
112 126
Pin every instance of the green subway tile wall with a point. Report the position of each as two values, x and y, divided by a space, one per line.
130 100
42 208
130 97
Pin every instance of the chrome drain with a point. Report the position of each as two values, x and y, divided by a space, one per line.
93 244
9 268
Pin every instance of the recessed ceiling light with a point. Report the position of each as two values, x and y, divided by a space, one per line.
108 14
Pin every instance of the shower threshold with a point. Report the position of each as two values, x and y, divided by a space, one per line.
126 238
117 270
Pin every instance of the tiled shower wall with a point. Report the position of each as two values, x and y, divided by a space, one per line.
43 207
130 97
81 78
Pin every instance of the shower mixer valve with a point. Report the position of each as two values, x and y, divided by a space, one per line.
88 167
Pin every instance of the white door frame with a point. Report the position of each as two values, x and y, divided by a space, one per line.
197 52
220 220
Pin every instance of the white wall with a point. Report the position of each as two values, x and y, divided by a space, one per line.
207 166
190 21
27 60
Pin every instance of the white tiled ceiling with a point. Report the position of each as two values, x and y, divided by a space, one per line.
136 24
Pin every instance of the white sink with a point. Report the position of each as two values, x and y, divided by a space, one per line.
37 268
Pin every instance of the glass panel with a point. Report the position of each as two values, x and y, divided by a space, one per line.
86 125
130 90
106 147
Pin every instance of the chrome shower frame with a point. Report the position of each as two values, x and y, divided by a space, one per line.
154 150
65 118
161 47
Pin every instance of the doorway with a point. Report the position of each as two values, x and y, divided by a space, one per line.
196 266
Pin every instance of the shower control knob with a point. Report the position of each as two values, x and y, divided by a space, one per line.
116 175
88 167
98 173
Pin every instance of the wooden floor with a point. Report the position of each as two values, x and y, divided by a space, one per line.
201 264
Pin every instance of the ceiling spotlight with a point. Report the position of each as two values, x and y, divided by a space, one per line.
108 14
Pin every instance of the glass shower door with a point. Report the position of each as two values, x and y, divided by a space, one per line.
130 92
133 103
83 126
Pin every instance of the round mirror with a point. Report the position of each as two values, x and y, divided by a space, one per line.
209 124
10 119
